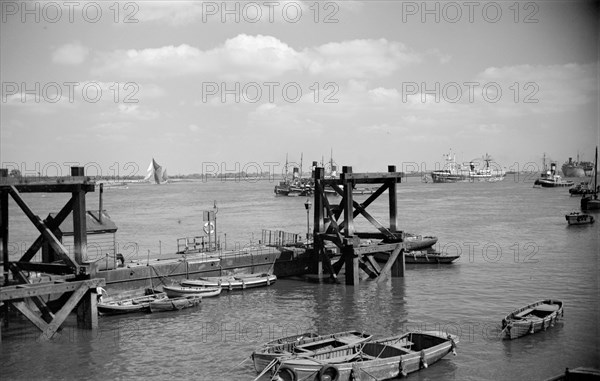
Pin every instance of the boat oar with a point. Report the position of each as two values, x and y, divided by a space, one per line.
246 359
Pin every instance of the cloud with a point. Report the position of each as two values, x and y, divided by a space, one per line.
359 58
260 57
70 54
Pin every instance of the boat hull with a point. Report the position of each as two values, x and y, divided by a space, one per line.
182 291
175 304
579 219
131 305
532 318
378 360
554 184
305 344
589 203
417 258
232 282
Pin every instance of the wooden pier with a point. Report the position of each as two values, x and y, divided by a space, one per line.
71 278
329 227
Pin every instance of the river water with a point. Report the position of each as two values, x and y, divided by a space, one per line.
515 244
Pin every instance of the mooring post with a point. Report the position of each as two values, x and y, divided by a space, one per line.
79 220
393 201
87 310
399 266
318 219
4 225
350 258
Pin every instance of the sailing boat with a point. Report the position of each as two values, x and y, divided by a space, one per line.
156 173
591 202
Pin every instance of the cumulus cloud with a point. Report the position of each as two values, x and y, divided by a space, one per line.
70 54
260 57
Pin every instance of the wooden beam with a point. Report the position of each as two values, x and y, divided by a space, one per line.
18 275
373 263
364 266
52 225
33 317
41 226
64 312
4 234
348 202
46 288
87 310
389 263
368 178
51 187
372 220
368 201
392 200
51 268
351 263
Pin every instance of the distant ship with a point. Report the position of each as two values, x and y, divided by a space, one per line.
577 168
156 173
454 172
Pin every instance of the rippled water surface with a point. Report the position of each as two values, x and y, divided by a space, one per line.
515 244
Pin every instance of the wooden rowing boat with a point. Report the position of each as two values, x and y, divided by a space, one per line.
175 304
179 291
532 318
420 258
125 306
305 344
237 282
383 359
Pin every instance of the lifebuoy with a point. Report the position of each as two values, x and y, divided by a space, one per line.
209 228
286 374
329 373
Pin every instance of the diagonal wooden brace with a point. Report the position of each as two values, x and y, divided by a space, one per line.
41 226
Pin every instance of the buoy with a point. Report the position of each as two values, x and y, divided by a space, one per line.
423 361
209 228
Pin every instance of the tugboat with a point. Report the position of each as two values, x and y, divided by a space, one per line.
550 179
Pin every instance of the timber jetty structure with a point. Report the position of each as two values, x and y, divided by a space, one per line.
70 280
336 244
335 224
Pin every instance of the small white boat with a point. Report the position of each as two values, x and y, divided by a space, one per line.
237 282
305 344
178 291
125 306
532 318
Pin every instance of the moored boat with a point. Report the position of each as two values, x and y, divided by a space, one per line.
591 202
305 345
179 291
175 304
532 318
421 258
236 282
383 359
124 306
576 218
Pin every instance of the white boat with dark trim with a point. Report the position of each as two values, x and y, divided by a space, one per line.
233 282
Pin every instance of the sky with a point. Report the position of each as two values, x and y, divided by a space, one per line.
206 87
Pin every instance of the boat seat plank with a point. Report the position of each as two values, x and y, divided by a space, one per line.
524 313
547 307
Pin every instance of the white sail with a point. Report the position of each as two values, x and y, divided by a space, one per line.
156 174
